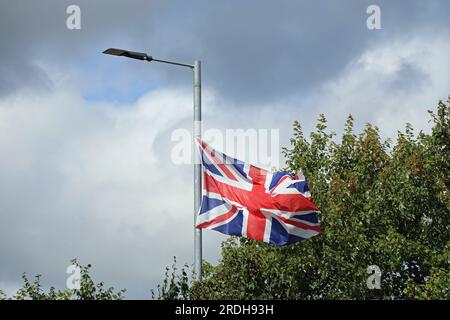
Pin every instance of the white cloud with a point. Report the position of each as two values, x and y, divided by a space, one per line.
87 180
388 85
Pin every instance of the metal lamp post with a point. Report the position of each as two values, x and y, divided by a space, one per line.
196 134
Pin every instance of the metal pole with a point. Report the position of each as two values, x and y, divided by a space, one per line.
197 169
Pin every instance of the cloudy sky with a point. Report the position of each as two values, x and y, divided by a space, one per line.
85 138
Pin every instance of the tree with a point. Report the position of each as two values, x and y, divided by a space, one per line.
89 290
380 205
175 286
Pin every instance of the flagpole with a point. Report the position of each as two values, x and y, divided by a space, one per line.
196 134
197 169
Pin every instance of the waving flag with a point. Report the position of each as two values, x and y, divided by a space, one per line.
244 200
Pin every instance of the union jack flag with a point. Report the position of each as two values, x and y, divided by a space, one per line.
244 200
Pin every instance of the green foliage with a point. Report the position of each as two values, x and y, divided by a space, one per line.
89 290
175 286
379 206
32 290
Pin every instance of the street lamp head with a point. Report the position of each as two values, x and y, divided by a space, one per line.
128 54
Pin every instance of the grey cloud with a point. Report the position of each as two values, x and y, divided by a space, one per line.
408 78
34 32
255 53
252 52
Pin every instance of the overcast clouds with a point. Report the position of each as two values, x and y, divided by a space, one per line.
85 166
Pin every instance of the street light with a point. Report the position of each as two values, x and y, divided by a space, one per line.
197 134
